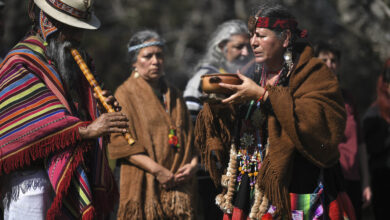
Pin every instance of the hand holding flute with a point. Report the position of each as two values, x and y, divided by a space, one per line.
106 123
111 122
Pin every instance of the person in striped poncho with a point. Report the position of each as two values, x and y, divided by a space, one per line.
53 163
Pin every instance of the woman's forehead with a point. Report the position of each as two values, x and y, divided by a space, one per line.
264 30
151 49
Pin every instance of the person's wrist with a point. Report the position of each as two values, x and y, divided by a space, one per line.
260 92
83 131
265 96
194 161
262 96
156 170
194 167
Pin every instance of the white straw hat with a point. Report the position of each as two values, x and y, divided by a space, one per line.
76 13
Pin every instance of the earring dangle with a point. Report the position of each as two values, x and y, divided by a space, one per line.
136 74
288 57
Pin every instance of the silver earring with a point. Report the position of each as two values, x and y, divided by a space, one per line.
136 74
288 57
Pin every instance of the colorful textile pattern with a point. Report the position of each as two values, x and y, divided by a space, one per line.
270 22
275 23
303 206
238 214
341 208
36 123
306 206
47 28
67 9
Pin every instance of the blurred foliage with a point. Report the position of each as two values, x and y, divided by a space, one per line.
360 27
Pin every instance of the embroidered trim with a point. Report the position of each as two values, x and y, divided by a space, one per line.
61 6
47 28
269 22
272 23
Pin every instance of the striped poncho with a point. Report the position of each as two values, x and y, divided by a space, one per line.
36 123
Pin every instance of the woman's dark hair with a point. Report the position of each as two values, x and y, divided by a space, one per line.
327 47
271 9
140 38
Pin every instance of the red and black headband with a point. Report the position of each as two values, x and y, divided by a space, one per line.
275 23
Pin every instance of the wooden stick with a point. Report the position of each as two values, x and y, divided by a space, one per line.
96 88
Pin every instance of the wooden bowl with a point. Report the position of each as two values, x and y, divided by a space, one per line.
210 82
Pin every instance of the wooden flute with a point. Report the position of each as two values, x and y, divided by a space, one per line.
95 86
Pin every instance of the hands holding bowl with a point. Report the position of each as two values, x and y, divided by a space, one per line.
234 88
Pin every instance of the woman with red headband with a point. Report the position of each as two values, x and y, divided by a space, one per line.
273 143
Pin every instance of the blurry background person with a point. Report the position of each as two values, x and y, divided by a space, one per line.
156 176
227 51
376 128
353 154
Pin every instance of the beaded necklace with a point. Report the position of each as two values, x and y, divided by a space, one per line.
234 173
250 154
251 148
264 76
173 140
247 152
248 163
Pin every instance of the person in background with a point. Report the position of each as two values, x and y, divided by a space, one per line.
376 133
353 154
276 136
228 51
157 172
53 161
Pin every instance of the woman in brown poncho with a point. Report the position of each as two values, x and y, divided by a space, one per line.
156 177
273 143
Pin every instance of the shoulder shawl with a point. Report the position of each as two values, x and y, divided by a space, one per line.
149 122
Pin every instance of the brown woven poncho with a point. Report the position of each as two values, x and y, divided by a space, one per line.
141 196
309 118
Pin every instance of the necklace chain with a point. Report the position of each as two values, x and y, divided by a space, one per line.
264 76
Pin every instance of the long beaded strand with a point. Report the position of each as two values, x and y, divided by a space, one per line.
228 180
247 164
